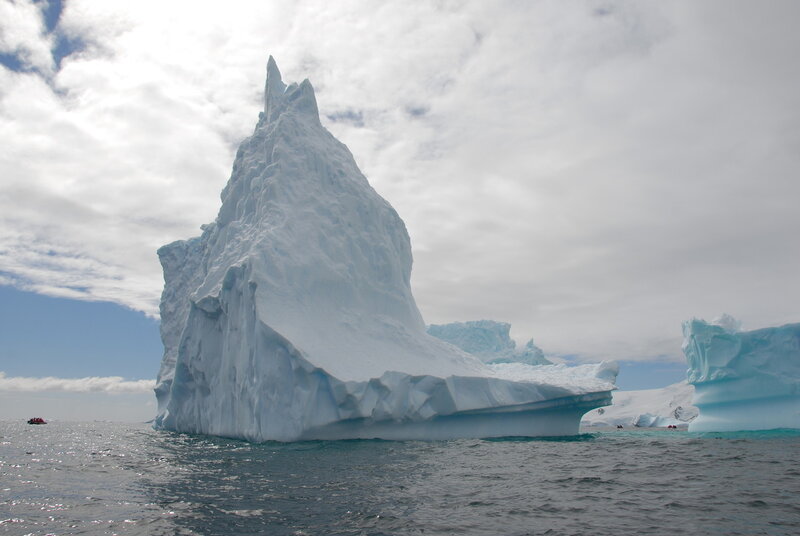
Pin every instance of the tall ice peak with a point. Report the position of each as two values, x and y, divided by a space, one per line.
278 97
291 317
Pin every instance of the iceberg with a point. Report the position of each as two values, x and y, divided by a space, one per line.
743 380
291 317
647 408
489 341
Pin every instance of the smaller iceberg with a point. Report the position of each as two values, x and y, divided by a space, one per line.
489 341
743 380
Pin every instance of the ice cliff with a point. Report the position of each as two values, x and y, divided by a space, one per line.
743 380
291 317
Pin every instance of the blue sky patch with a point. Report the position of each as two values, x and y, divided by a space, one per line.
11 61
47 336
63 45
51 11
66 46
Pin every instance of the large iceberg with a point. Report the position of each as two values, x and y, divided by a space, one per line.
291 316
743 380
489 341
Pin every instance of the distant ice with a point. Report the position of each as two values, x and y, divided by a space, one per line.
728 323
490 341
671 405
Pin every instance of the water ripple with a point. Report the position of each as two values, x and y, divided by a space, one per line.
100 478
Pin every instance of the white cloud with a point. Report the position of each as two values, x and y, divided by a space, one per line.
593 176
75 406
22 33
108 384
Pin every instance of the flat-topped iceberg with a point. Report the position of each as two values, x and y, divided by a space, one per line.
291 317
743 380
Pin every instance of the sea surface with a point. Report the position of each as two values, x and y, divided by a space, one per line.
110 478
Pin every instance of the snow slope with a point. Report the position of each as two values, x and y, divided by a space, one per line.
744 380
671 405
291 316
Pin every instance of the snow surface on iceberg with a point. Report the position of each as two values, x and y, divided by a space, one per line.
489 341
671 405
291 316
743 380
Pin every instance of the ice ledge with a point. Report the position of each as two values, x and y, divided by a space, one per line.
555 417
271 390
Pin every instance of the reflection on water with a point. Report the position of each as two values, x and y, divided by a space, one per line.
101 478
218 485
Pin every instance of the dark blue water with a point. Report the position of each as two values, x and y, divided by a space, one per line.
103 478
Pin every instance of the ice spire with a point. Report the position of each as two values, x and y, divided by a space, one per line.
274 90
279 97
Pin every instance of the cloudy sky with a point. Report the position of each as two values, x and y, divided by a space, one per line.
592 172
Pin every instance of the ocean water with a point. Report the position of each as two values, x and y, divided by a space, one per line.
109 478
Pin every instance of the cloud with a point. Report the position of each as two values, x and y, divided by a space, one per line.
592 175
23 35
108 384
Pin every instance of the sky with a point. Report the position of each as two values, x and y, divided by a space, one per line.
594 173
